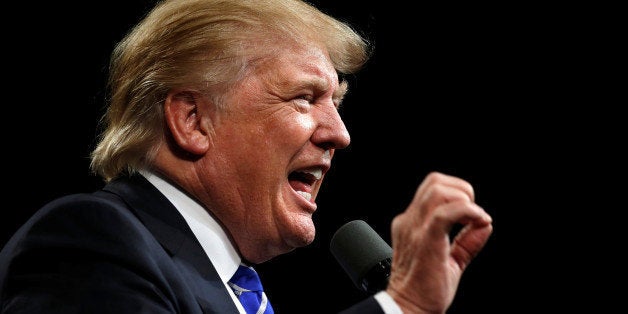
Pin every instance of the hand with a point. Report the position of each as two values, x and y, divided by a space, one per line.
427 265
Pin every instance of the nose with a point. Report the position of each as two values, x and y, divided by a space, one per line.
331 132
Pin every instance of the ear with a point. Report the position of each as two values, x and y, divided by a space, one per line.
182 110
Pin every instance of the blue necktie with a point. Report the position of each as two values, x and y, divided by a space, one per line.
248 288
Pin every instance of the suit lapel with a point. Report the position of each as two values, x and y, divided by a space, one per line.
167 225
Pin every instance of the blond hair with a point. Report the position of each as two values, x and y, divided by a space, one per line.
204 45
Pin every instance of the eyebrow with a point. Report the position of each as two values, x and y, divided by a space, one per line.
339 94
319 83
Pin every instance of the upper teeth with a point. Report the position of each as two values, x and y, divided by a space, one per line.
317 173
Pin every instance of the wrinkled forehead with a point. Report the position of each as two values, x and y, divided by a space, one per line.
292 62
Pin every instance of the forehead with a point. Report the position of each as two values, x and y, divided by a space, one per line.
293 64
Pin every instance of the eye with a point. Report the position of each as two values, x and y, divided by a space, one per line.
307 97
303 102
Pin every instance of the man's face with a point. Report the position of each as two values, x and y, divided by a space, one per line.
270 149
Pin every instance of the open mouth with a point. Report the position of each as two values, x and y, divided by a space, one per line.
303 180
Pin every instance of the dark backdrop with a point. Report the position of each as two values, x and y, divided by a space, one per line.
449 89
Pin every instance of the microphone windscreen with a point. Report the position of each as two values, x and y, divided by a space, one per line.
363 255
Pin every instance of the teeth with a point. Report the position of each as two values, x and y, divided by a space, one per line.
306 195
318 173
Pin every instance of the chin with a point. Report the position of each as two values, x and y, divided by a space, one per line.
300 231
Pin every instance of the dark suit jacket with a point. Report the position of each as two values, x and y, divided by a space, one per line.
123 249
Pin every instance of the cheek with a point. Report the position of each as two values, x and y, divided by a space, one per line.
304 122
299 129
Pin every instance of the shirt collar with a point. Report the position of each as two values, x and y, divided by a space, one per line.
207 230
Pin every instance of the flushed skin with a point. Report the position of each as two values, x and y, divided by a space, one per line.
427 265
282 118
234 103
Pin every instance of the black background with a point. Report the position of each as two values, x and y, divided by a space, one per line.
472 90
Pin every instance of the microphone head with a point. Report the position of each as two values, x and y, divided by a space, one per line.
363 255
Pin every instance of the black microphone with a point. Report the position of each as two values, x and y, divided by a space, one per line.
363 255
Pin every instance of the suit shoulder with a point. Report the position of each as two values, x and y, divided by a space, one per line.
80 218
84 208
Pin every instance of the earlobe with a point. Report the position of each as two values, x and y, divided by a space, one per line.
183 115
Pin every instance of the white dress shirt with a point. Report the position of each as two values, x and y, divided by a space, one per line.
216 243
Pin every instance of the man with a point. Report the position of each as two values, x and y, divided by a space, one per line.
223 121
